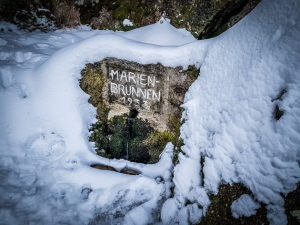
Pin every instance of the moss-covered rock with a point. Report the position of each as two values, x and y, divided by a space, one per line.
204 19
92 82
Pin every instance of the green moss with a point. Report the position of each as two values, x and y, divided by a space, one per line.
128 28
157 142
180 19
193 72
92 81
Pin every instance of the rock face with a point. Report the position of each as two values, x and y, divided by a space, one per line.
214 17
203 18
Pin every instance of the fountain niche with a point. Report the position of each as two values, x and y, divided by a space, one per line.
138 107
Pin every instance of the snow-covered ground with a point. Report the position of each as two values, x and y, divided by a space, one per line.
45 161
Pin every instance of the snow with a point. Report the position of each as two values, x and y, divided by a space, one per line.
244 206
164 34
229 122
127 22
45 153
229 109
2 42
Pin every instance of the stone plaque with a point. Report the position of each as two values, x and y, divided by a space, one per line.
118 86
135 89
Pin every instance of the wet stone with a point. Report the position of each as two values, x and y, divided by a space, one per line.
104 167
129 171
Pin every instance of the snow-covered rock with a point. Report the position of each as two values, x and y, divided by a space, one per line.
229 121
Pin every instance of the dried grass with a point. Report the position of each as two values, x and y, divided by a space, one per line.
104 19
67 16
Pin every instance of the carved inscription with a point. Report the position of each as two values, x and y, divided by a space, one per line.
134 89
118 86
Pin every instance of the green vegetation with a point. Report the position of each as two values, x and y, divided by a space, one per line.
204 19
98 131
124 9
193 72
156 141
180 19
114 137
